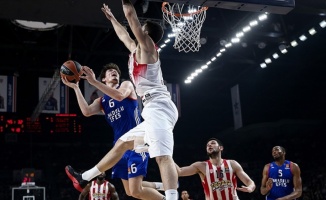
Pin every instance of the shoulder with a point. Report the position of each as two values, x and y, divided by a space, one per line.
126 83
294 167
266 166
199 163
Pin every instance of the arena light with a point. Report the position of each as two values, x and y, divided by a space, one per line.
253 23
246 29
275 56
262 17
284 48
312 31
294 43
35 25
302 38
284 51
228 45
167 41
240 34
236 39
268 60
204 67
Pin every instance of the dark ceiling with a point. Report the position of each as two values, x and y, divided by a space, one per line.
291 87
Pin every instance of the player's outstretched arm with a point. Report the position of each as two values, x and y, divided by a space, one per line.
145 42
244 178
119 29
87 110
189 170
125 90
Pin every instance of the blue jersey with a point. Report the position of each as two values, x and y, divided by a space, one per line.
117 114
282 180
123 116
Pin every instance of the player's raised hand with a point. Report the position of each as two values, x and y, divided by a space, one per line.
107 11
89 75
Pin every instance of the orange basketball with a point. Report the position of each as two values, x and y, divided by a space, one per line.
71 70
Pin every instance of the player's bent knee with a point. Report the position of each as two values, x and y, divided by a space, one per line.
136 193
160 159
124 145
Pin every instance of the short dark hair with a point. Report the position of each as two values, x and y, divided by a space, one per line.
155 30
217 140
109 66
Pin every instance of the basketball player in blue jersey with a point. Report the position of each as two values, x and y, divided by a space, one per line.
281 178
120 107
160 114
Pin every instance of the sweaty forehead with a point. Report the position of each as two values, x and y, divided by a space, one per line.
277 148
212 141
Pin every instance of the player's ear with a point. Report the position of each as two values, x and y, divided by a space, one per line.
221 148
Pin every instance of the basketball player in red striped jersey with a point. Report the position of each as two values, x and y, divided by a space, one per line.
99 189
218 175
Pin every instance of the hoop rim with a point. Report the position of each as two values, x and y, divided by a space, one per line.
180 15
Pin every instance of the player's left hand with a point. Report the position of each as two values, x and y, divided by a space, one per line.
89 75
245 189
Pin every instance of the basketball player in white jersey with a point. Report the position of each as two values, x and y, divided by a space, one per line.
218 175
159 112
99 189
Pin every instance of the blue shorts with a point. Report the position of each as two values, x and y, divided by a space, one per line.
131 165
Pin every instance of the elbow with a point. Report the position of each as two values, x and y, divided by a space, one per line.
119 98
299 193
86 113
128 11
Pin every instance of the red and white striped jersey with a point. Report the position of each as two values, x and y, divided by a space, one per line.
99 192
220 183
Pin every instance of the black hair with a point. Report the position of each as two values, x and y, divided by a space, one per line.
155 30
109 66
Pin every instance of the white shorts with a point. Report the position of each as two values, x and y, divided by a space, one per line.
160 116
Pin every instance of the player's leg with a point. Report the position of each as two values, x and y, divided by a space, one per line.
137 166
169 176
146 193
159 126
155 185
126 186
108 161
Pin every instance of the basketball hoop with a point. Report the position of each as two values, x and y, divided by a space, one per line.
185 25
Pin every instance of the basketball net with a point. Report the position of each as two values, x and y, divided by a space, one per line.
185 25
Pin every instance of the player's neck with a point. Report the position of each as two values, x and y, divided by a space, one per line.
217 160
280 162
113 85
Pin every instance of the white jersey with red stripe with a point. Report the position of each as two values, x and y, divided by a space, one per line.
147 78
220 183
99 191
